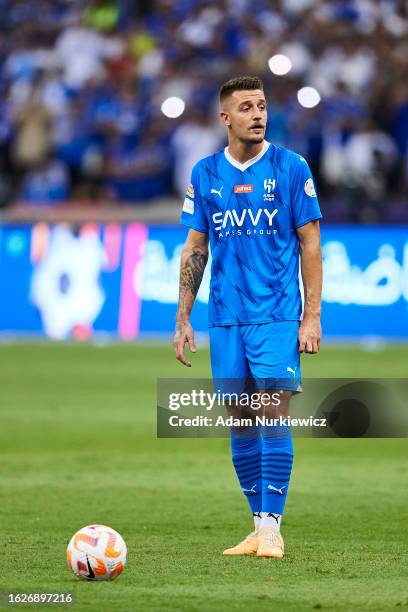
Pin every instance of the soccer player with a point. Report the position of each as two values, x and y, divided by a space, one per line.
256 204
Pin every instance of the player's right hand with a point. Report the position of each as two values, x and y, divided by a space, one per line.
184 335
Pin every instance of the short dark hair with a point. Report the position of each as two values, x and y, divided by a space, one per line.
239 84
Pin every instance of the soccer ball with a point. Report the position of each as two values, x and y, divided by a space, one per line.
96 552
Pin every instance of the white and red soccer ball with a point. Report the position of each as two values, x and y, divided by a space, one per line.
96 552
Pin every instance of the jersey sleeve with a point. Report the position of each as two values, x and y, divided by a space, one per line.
193 214
304 202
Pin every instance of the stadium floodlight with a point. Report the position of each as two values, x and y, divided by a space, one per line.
173 107
279 64
308 97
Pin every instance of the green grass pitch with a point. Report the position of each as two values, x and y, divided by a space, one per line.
78 446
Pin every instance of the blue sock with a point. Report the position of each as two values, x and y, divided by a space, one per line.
246 457
277 460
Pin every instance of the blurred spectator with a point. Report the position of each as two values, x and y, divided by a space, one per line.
74 140
83 83
81 52
46 183
192 140
33 131
370 157
137 173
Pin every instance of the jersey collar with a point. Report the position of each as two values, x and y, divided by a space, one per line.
249 162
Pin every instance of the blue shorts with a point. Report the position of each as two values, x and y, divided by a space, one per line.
267 353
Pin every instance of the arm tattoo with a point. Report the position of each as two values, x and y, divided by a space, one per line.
191 274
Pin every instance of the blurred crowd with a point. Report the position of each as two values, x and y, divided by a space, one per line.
82 86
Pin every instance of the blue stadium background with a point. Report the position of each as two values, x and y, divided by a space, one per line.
122 280
105 107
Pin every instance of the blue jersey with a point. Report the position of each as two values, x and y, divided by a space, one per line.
251 212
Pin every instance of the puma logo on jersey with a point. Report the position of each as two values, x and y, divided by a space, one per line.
279 490
251 490
235 218
217 192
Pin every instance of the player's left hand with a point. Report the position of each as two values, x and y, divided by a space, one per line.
184 335
310 332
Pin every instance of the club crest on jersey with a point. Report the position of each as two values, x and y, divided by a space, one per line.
243 188
310 188
269 186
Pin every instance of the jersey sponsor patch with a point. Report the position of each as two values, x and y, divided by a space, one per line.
310 188
190 191
243 188
188 206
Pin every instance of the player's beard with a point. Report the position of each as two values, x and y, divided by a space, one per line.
251 138
256 138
